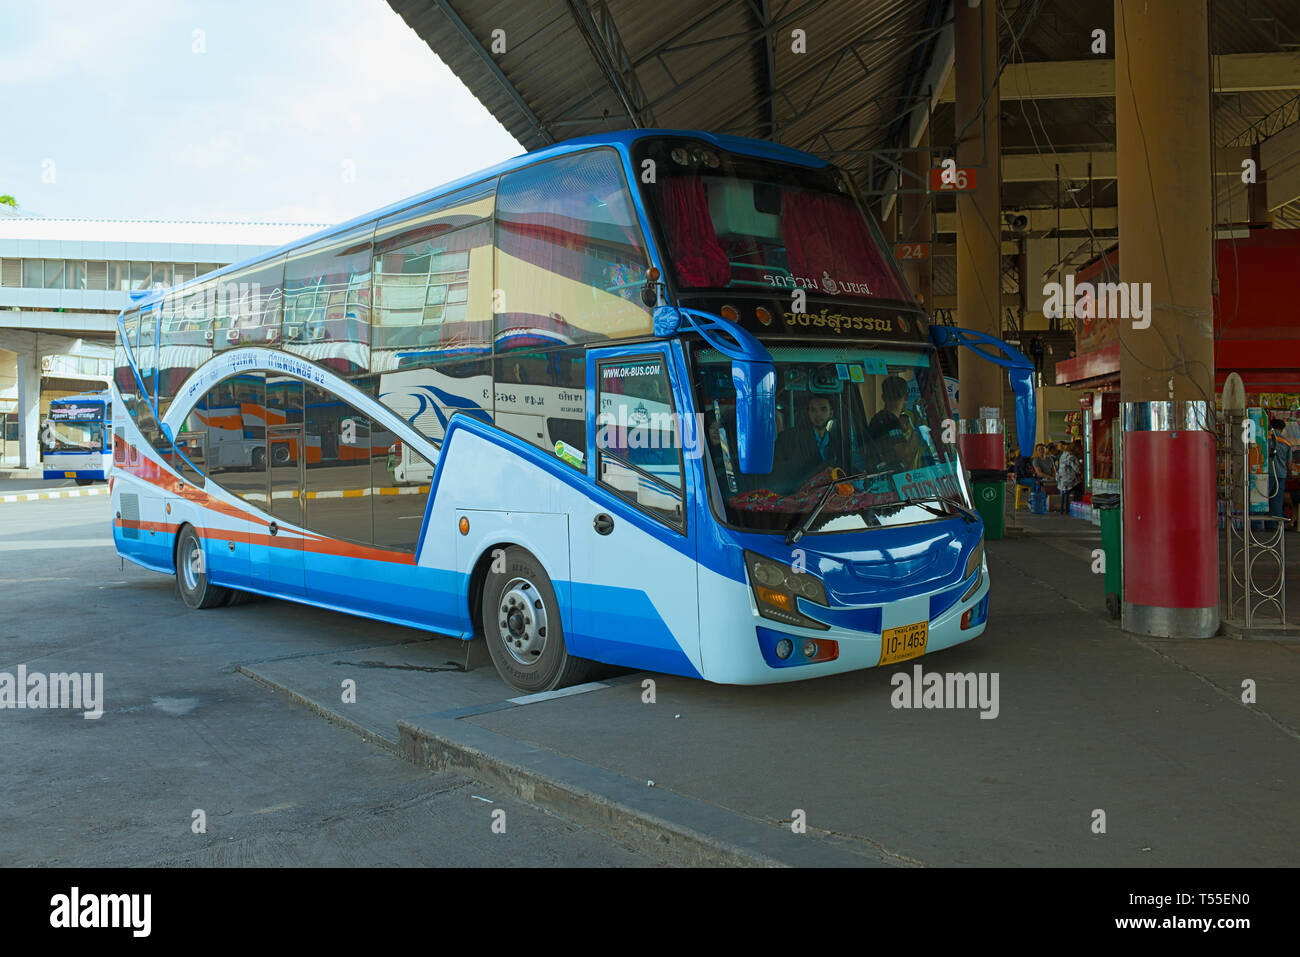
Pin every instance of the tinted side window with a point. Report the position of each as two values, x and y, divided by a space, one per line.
247 306
433 281
283 400
183 343
146 352
570 259
193 445
233 414
338 447
427 396
541 397
400 480
636 437
327 302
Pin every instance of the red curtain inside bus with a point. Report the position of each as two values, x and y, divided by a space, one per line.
698 259
825 234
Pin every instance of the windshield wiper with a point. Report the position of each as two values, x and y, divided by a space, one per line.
967 515
793 536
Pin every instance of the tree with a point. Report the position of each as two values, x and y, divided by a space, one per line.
8 200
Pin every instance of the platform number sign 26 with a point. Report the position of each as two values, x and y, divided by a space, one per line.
948 177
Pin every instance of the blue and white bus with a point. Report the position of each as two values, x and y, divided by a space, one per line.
657 399
75 438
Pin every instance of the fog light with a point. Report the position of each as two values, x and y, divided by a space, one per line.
783 648
810 649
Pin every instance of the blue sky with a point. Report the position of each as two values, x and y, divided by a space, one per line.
296 110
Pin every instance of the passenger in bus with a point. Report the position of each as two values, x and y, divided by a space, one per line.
893 391
892 430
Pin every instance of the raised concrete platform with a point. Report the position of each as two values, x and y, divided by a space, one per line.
1152 732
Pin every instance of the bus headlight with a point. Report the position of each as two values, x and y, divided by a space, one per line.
974 564
777 587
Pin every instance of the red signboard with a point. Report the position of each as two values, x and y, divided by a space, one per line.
912 251
955 180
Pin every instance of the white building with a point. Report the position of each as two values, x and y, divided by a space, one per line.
62 284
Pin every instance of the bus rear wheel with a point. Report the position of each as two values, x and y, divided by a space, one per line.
520 618
191 573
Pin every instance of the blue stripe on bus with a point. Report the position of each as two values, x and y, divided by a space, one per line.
853 619
633 634
152 551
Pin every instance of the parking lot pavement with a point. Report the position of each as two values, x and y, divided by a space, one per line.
1100 748
183 731
21 483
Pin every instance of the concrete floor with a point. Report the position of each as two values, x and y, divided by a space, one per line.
1151 732
184 730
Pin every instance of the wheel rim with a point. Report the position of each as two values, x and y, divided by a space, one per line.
522 621
191 564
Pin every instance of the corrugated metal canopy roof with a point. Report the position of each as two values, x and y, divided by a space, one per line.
563 68
550 70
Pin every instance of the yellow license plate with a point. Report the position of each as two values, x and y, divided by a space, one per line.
906 641
69 474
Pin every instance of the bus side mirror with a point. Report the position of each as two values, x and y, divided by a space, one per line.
755 383
1020 372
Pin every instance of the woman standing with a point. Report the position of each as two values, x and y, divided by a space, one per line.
1069 475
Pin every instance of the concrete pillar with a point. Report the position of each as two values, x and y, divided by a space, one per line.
1166 213
916 220
979 227
28 373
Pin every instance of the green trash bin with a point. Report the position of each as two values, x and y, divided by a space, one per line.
991 501
1107 504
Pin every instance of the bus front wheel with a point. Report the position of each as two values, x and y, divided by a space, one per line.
191 573
520 618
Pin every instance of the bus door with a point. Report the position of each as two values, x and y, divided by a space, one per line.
633 550
280 564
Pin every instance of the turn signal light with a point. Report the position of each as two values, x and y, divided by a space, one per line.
777 599
763 315
464 525
730 313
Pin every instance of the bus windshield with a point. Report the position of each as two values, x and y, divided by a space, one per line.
731 221
878 415
74 437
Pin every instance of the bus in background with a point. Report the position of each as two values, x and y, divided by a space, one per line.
691 422
75 440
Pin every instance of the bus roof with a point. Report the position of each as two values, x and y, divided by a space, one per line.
83 397
625 138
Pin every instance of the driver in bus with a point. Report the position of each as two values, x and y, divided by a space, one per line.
805 450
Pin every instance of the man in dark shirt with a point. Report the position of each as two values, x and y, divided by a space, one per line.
803 450
894 393
891 428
